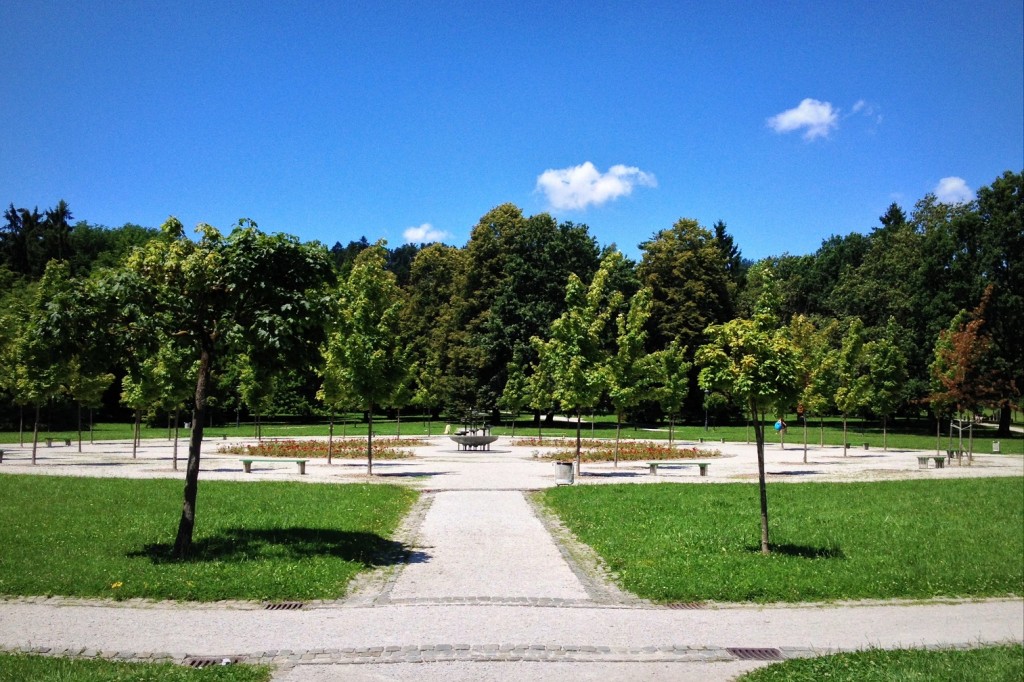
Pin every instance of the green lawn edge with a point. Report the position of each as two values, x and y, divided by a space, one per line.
1004 663
271 541
956 538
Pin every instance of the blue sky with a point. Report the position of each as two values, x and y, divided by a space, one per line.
790 121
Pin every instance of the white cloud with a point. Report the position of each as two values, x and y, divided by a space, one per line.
581 186
816 118
424 234
953 190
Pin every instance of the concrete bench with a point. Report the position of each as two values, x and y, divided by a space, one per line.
922 461
703 466
247 462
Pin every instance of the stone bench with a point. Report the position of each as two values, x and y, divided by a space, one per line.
922 461
703 466
247 462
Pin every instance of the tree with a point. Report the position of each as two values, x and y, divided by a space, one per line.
687 272
366 342
630 370
573 355
516 395
966 371
248 292
853 388
673 377
43 350
887 369
754 362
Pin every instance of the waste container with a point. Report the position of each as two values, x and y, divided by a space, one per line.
563 473
995 446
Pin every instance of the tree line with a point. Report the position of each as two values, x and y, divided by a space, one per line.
921 313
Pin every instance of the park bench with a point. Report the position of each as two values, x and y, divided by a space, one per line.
679 463
922 461
247 462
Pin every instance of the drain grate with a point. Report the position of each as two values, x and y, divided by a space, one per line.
756 654
210 661
686 605
284 606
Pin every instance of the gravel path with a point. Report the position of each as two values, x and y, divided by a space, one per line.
489 592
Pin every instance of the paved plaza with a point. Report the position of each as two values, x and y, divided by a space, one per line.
495 589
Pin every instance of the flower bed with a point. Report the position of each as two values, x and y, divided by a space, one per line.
629 451
344 448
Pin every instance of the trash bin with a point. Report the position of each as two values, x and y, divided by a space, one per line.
563 473
995 446
867 445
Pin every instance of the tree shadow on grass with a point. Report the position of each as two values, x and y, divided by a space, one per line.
295 544
802 551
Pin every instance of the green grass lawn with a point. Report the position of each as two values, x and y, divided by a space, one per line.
992 664
901 539
268 541
28 668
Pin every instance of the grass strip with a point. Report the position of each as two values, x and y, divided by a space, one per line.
31 668
994 664
268 541
831 541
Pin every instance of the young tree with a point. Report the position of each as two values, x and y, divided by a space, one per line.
853 391
249 292
673 376
573 354
366 341
629 372
887 367
817 375
754 362
516 394
965 370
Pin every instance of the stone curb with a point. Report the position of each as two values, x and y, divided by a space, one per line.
429 653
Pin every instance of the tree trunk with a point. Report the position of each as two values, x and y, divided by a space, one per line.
35 435
1004 421
938 435
671 429
845 439
885 435
369 441
618 426
761 484
79 427
135 435
578 423
174 456
805 438
21 427
330 439
90 426
398 424
183 540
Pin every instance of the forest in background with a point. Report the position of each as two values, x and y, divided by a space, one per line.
932 292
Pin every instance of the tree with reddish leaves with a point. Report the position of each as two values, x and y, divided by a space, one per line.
966 374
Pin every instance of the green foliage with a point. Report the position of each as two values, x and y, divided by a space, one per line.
831 541
272 541
687 271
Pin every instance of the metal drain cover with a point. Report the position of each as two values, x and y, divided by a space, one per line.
749 654
284 606
210 661
686 605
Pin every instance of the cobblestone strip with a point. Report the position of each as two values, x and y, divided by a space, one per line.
429 653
